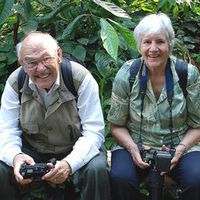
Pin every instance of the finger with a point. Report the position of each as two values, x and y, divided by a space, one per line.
24 181
165 148
146 148
50 175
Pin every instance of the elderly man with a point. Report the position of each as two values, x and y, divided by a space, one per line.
49 121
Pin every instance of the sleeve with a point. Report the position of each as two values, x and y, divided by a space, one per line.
193 97
10 134
119 109
90 112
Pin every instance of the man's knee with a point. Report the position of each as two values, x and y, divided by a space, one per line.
97 166
5 171
7 190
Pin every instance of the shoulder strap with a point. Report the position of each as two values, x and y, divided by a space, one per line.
182 71
20 81
66 70
75 59
135 66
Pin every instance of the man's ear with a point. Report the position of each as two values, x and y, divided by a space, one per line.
21 64
59 54
20 61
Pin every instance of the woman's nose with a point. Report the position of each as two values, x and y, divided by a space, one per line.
153 46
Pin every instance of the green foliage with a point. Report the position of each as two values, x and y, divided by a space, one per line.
97 32
5 10
109 38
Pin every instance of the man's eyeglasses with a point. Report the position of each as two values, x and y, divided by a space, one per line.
31 65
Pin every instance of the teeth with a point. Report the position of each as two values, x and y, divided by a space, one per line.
153 56
43 76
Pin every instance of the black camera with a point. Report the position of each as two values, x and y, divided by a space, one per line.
34 171
159 160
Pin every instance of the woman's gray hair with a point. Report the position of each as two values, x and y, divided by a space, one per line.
153 24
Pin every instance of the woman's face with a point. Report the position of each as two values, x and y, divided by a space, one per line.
155 50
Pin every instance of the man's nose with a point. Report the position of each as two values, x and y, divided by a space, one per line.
40 66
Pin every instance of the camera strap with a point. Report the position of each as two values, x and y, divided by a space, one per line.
169 90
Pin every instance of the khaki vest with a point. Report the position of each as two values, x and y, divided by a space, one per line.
57 128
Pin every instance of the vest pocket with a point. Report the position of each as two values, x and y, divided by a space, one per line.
30 128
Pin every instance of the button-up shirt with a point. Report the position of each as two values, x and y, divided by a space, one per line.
90 112
126 108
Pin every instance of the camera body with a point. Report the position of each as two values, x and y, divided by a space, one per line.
34 171
158 160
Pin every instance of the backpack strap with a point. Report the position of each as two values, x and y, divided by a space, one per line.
180 66
134 69
66 71
182 71
20 81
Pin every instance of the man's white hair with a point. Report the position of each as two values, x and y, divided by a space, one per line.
39 36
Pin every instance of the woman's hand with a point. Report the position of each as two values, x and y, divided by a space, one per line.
180 150
135 153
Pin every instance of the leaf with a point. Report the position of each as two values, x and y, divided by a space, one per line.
5 9
12 58
126 34
115 10
110 38
103 60
71 26
3 69
29 26
79 52
2 56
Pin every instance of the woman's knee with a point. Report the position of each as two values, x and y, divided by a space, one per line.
189 170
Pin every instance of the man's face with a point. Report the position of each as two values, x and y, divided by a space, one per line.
41 62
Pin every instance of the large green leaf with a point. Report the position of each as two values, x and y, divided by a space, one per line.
3 69
29 26
5 9
126 34
110 38
71 26
11 58
79 52
103 60
115 10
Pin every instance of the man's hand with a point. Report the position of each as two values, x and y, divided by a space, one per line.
17 161
59 173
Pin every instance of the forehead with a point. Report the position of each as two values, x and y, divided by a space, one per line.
160 35
37 46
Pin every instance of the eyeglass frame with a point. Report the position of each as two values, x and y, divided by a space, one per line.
35 63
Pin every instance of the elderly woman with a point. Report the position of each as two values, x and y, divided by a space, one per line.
155 114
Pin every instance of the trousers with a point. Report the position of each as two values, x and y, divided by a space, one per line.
91 182
126 176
